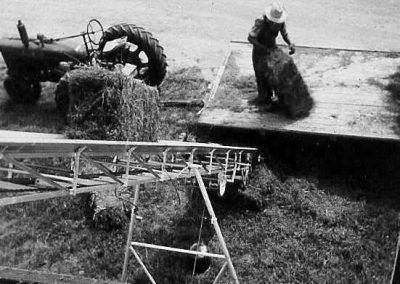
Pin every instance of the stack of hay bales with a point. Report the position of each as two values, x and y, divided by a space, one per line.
109 105
283 76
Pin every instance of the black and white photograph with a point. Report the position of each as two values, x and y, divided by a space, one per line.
199 141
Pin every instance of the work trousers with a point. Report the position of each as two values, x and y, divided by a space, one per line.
264 89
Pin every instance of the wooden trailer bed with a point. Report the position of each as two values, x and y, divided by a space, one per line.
356 93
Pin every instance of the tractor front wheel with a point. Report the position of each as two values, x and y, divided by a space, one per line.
21 90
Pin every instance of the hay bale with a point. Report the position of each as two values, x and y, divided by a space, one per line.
283 76
108 105
107 211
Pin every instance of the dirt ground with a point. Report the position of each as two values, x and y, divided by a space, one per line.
197 32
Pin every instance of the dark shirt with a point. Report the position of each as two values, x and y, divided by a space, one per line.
266 32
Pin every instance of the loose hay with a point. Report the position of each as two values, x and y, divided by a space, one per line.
108 105
283 76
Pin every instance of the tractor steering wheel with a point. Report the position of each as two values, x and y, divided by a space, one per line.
93 27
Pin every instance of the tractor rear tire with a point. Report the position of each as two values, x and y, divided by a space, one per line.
21 90
144 40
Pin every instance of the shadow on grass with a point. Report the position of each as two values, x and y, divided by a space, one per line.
40 117
369 167
181 228
330 214
181 231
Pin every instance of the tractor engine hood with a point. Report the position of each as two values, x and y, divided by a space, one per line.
49 50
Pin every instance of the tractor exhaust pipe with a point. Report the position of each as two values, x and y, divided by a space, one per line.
22 33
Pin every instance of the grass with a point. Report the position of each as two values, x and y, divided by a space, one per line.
183 84
311 235
37 118
326 215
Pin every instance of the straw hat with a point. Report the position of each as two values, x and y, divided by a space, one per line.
276 13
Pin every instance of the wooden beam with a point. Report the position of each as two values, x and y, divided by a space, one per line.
81 181
275 122
52 194
28 135
6 185
182 103
210 96
178 250
32 172
134 180
246 43
8 273
18 148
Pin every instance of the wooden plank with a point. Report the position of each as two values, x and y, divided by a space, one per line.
210 95
350 89
33 276
178 250
29 135
32 172
134 180
21 148
43 185
275 122
365 96
53 194
329 68
5 185
80 181
246 44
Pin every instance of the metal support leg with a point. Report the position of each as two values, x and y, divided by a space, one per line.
164 173
10 173
227 161
76 169
215 224
220 273
235 168
129 239
396 266
211 161
142 265
128 161
191 158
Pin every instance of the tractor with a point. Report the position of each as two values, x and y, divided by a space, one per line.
31 61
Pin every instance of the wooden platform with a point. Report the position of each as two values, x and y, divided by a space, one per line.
354 94
41 277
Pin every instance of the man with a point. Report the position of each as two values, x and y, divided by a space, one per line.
263 37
